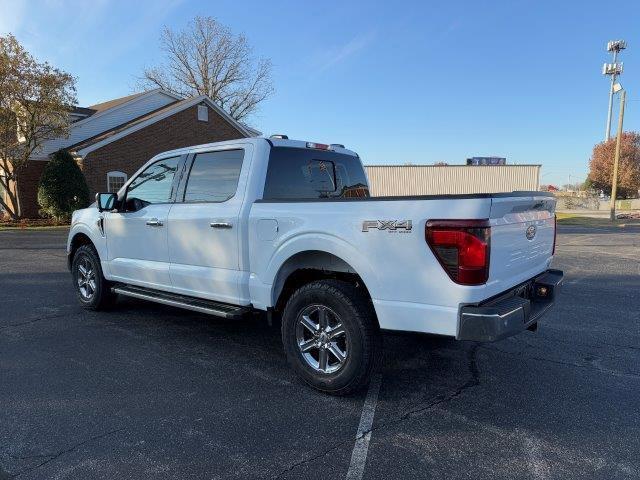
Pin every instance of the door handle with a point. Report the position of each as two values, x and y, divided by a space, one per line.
220 225
154 222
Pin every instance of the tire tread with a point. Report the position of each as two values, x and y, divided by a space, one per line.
365 315
105 297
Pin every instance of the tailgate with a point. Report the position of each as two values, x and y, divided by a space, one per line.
522 237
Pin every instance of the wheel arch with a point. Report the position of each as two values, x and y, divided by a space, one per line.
307 266
78 239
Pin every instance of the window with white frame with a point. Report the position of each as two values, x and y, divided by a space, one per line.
115 181
3 192
203 113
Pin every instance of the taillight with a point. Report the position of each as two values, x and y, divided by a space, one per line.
462 247
555 233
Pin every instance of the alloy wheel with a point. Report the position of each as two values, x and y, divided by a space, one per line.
86 279
322 338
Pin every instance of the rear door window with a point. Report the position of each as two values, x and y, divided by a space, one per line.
214 176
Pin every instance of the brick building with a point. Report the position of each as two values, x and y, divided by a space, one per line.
111 140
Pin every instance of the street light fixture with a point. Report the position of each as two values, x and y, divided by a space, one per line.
612 68
616 45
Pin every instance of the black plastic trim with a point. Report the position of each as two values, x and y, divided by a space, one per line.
509 312
460 196
211 307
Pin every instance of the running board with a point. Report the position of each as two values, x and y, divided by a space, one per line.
181 301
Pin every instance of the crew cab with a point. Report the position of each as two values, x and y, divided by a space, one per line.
288 228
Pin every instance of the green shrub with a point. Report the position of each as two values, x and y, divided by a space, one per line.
62 188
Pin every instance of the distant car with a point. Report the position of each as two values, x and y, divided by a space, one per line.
287 227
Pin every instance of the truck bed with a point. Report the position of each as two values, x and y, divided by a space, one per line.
409 287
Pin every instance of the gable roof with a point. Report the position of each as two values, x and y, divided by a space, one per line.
119 128
121 102
120 131
99 107
87 123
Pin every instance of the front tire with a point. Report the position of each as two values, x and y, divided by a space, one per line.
330 336
92 289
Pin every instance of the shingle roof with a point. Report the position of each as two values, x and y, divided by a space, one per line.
83 111
99 107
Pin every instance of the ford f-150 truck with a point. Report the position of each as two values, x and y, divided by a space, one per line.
289 228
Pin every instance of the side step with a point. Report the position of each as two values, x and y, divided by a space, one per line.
182 301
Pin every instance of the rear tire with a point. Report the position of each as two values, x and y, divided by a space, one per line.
93 290
331 336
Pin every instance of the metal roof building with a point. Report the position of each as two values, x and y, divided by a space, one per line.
401 180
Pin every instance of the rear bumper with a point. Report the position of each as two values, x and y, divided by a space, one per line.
512 311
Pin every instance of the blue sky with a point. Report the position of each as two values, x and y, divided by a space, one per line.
417 81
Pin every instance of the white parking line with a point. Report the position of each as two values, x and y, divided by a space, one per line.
363 435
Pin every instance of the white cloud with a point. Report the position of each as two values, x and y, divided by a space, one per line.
339 54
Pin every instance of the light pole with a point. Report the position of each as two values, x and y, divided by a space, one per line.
613 70
616 157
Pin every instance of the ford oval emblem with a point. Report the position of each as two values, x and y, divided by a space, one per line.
531 232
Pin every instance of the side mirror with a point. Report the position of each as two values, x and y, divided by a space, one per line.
106 201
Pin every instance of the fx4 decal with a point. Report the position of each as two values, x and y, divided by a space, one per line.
392 226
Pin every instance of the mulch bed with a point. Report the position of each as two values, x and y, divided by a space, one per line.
32 222
629 216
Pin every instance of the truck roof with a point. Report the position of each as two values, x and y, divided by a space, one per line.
274 142
285 142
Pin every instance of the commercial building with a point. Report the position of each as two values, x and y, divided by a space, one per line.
402 180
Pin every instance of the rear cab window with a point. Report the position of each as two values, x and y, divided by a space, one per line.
306 174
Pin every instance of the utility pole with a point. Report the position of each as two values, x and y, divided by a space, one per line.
616 158
613 70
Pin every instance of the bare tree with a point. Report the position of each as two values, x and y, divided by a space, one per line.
35 101
206 58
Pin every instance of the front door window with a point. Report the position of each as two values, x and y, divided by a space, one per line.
153 185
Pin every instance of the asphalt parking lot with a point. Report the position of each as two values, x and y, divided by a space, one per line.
147 391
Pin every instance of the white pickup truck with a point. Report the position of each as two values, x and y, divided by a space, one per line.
288 227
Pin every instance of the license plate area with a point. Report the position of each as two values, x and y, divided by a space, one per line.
524 291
